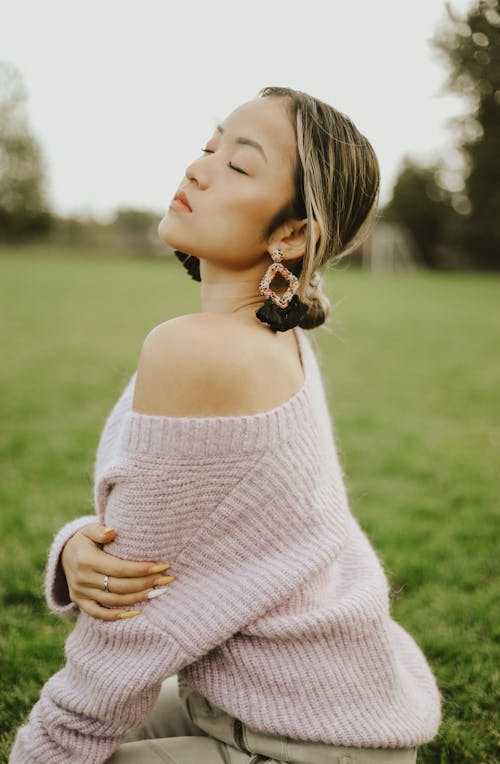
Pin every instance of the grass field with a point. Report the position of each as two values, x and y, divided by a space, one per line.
412 372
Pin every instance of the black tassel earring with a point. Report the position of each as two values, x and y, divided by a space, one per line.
280 313
190 263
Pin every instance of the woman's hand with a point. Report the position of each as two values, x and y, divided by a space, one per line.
85 565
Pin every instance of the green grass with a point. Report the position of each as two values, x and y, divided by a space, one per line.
412 373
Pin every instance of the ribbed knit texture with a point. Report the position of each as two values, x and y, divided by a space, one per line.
279 613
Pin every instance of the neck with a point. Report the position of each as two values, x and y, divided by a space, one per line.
228 291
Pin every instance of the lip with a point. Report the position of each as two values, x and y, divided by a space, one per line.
181 202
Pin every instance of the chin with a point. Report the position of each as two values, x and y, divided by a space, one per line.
166 234
170 237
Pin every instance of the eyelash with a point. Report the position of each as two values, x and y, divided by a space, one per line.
238 169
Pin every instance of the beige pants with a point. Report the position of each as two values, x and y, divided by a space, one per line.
184 727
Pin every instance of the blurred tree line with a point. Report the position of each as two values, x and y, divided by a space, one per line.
23 206
25 214
455 216
452 215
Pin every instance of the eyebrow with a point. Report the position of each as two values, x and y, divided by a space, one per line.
245 141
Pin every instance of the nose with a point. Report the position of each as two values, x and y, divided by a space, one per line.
196 173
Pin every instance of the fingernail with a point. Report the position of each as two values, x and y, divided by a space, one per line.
159 568
130 614
163 580
156 592
106 531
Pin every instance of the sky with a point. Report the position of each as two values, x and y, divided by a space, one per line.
123 94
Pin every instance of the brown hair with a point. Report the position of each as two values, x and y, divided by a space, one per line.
337 183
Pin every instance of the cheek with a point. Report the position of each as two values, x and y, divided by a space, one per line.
230 221
248 213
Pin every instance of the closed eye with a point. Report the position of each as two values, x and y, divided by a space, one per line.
232 166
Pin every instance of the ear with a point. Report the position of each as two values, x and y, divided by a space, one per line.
291 238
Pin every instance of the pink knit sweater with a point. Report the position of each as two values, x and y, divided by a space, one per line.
280 602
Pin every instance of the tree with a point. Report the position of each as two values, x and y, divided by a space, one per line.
471 48
422 205
457 225
23 207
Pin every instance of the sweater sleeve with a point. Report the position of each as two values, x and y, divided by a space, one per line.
243 555
56 587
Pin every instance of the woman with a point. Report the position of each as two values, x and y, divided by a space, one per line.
218 463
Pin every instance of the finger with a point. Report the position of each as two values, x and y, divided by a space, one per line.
95 581
110 565
115 600
98 533
105 614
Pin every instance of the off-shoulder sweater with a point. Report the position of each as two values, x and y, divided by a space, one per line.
279 612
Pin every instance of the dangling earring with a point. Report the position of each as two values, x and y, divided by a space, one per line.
280 313
190 263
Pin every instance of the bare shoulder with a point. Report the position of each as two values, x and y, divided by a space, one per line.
205 364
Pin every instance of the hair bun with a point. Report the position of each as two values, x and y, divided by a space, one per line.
318 304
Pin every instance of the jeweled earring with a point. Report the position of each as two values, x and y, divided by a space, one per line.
190 263
280 313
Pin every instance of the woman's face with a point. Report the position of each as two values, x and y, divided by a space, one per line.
234 188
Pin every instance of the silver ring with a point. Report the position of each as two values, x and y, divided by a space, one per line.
106 579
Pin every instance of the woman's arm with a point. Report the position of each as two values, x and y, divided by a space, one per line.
86 565
245 556
74 576
56 587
